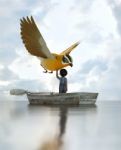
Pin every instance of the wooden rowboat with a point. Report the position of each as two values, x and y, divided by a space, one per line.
51 98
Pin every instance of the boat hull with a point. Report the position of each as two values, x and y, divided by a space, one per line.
62 99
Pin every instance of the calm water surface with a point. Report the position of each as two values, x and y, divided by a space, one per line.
25 127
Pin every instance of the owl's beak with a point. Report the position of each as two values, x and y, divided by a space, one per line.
71 64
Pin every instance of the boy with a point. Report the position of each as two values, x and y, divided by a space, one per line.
63 80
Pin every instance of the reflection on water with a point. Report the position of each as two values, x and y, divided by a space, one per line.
25 127
63 119
56 142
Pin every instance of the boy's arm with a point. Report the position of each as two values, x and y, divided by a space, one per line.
57 74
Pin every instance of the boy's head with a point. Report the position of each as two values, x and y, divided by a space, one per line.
63 72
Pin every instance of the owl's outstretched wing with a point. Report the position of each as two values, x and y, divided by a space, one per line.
32 38
68 50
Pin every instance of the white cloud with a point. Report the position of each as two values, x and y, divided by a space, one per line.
96 60
6 74
116 10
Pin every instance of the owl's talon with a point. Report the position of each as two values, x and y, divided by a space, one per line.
45 71
50 72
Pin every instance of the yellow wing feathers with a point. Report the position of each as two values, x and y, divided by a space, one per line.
68 50
32 39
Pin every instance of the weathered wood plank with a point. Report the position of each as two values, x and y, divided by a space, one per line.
66 98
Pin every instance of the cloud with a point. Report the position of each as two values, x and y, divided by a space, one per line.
89 74
98 63
7 56
101 74
30 85
116 10
84 5
41 8
6 74
110 84
95 23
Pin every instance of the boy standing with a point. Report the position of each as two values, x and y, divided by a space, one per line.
63 80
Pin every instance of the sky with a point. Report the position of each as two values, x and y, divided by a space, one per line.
96 61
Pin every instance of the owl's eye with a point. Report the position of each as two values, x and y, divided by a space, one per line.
70 58
65 59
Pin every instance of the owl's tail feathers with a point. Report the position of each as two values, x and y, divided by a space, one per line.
18 91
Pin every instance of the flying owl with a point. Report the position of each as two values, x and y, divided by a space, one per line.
36 45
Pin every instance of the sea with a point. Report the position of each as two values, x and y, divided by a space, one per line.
32 127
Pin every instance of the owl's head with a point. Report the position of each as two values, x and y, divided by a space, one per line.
67 60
